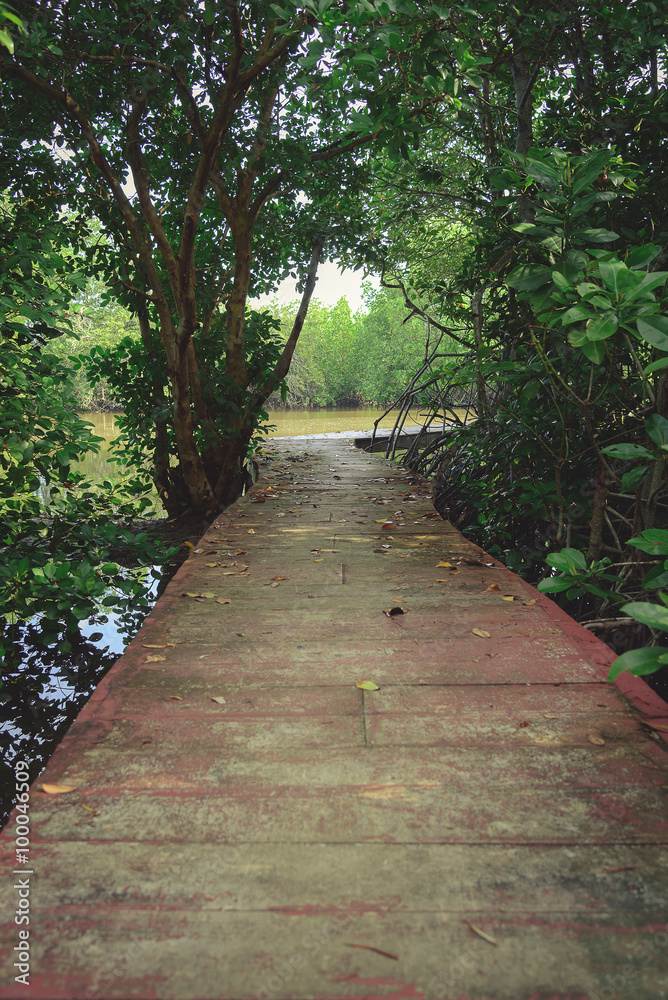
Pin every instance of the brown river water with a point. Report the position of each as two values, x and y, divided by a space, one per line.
287 423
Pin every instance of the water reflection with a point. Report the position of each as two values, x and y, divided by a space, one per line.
44 689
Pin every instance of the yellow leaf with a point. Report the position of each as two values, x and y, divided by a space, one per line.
596 739
190 545
155 659
319 560
533 601
223 600
447 565
492 586
211 565
485 937
483 633
208 595
367 685
57 789
219 700
157 645
250 531
176 697
508 598
550 716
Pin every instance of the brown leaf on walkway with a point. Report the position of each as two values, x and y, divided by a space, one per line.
393 612
280 578
223 600
523 725
485 937
250 531
532 601
211 565
388 526
596 739
483 633
492 586
367 685
57 789
155 659
157 645
275 584
219 700
550 716
508 597
370 947
176 697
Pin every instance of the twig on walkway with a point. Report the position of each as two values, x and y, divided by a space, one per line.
370 947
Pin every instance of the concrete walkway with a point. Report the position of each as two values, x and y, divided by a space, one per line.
247 822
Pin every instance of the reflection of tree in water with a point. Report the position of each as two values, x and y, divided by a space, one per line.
44 689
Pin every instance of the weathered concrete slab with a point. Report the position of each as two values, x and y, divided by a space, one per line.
299 837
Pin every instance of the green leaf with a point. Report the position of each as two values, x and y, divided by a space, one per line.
657 577
656 366
654 615
654 329
586 173
595 235
594 351
554 585
568 561
654 541
603 327
639 661
527 229
642 256
657 429
648 284
529 276
627 451
632 480
578 313
7 41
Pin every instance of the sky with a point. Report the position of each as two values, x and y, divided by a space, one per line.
330 287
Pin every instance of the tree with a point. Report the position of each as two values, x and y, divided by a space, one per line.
57 531
220 148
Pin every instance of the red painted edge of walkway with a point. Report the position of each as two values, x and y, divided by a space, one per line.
636 691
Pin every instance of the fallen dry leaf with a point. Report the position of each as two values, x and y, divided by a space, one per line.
212 565
370 947
596 739
523 725
176 697
280 577
155 659
250 531
319 560
367 685
483 633
276 584
156 645
507 597
532 601
223 600
492 586
219 700
388 526
485 937
550 716
57 789
447 565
